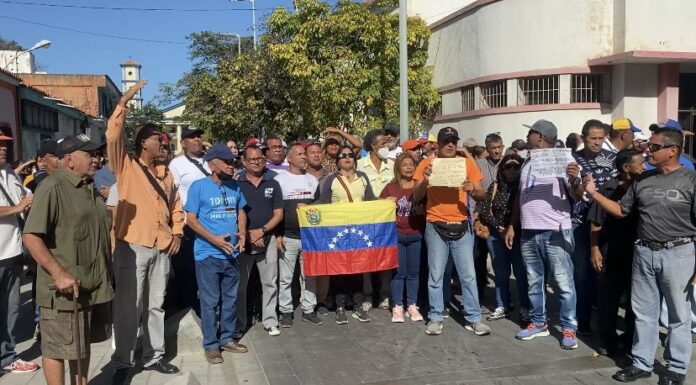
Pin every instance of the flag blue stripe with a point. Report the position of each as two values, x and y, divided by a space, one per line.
348 237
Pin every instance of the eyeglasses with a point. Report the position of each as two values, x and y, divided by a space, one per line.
346 155
654 147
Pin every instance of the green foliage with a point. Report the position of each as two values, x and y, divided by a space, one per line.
322 66
10 45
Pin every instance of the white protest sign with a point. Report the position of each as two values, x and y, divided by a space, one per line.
448 172
550 162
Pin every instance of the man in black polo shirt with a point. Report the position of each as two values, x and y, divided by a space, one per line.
663 261
265 212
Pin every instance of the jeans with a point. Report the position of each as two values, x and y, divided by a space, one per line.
218 280
506 261
462 252
663 313
286 272
582 274
10 270
407 271
550 249
141 280
669 272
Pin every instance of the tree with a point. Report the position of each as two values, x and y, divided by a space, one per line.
321 66
10 45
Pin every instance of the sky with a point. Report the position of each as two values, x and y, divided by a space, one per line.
80 53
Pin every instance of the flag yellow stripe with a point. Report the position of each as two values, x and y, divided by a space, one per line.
337 214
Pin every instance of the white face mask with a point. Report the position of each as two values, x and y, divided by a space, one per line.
523 153
383 153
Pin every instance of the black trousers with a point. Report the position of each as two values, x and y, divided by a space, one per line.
612 283
481 267
182 288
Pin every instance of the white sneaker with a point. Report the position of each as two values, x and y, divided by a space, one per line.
384 304
498 313
273 331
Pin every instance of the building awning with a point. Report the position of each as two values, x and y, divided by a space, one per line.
644 57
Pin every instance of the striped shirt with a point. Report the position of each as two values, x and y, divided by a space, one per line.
544 202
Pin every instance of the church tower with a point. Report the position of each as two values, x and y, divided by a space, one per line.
130 74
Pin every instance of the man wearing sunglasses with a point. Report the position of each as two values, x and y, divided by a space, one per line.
663 260
215 212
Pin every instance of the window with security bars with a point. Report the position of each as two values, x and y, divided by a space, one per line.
538 90
493 94
468 98
586 88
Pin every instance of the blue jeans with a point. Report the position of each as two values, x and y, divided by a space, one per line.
218 280
542 249
667 272
462 252
407 271
582 274
506 261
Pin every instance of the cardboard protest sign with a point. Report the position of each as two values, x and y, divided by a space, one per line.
448 172
550 162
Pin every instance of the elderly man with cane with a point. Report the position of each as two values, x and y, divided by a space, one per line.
67 233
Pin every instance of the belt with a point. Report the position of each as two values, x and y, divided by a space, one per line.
656 246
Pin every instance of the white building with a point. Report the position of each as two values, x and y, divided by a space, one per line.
501 63
17 62
130 75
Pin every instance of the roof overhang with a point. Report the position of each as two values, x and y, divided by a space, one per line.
644 57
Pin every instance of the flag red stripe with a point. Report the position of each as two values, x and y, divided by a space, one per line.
351 261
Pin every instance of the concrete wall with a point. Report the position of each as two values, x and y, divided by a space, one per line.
17 62
434 10
665 25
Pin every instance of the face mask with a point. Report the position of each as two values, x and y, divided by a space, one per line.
224 176
383 153
522 154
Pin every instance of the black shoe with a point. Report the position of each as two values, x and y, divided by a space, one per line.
286 320
120 376
361 315
163 367
311 318
630 374
671 378
341 318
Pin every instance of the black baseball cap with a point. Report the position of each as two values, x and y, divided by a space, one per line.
46 147
392 129
70 144
447 133
188 132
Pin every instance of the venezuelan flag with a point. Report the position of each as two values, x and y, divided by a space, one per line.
348 238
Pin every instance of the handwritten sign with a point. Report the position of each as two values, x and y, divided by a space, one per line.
550 162
448 172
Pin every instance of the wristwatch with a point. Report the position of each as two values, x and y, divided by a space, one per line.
264 230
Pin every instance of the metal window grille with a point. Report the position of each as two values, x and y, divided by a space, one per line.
538 90
586 88
468 98
493 94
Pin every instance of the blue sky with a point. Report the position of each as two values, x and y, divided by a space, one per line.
72 52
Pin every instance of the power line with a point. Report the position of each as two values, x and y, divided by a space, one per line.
92 33
102 8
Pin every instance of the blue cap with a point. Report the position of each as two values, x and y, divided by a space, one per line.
669 124
219 151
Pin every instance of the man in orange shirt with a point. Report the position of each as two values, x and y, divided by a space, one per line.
148 227
448 232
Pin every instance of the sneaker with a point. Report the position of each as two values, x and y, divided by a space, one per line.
569 341
414 314
286 320
445 313
322 310
398 314
478 328
498 313
213 356
532 331
21 366
433 328
312 318
361 315
367 305
273 331
341 318
384 304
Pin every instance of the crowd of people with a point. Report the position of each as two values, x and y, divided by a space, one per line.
113 238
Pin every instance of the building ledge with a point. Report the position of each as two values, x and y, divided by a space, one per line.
519 109
644 57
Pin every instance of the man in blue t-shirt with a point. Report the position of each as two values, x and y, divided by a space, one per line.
215 212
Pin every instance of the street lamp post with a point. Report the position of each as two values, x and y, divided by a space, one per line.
403 73
253 17
41 44
239 41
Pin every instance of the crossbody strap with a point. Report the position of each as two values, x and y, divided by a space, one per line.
20 220
200 167
340 179
155 185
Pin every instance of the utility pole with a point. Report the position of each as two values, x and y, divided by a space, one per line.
403 73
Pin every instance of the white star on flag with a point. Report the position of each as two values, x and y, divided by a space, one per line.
352 230
360 232
334 239
366 238
332 246
369 244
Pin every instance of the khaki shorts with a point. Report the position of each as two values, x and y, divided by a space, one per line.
57 339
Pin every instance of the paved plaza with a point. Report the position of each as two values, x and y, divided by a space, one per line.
377 352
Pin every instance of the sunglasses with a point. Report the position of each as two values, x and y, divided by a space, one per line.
654 147
512 166
346 155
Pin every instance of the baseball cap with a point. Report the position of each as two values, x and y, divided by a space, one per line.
252 142
410 145
219 151
190 131
447 133
640 136
519 144
392 128
70 144
147 131
470 142
545 128
669 124
624 124
46 147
